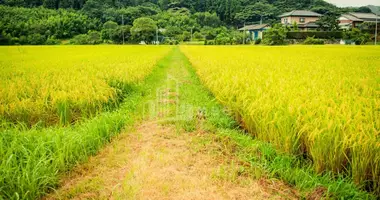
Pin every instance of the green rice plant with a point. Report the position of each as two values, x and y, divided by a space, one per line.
317 102
32 159
62 84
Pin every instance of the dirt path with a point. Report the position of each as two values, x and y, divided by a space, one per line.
169 155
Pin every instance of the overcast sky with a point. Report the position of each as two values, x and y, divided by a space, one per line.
344 3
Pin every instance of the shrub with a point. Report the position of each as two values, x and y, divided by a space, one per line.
275 35
258 41
312 41
52 41
94 37
356 36
80 39
222 39
36 39
198 36
14 41
315 34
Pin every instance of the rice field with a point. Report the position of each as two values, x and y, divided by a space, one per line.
321 103
61 84
57 86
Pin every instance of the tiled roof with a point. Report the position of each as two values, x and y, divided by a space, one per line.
352 18
309 25
254 27
364 16
301 13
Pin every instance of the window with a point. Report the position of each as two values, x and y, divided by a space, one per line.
302 20
285 20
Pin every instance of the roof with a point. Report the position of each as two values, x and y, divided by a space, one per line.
351 18
254 27
368 17
308 25
345 24
301 13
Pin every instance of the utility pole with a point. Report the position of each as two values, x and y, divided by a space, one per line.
375 11
244 34
122 22
376 30
191 34
157 35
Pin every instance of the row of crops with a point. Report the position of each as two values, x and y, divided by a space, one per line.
321 103
55 86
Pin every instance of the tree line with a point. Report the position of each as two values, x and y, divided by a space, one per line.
115 21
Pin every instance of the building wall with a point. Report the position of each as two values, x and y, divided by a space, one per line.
292 19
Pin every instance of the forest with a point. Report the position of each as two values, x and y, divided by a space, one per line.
39 22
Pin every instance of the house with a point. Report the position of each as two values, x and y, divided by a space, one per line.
255 31
305 19
353 20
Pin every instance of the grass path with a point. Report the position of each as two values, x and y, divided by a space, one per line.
172 152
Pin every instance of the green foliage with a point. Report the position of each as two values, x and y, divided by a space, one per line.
222 39
328 22
275 35
258 41
144 29
174 18
37 23
94 37
315 34
36 39
52 41
198 36
295 26
312 41
80 39
356 36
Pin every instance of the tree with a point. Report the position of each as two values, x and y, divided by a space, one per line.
275 35
109 30
144 29
255 13
356 36
328 22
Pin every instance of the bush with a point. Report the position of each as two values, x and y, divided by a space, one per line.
275 35
14 41
52 41
356 36
313 41
222 39
315 34
258 41
36 39
198 36
5 38
80 39
94 37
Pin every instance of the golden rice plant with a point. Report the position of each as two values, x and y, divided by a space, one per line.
60 84
319 102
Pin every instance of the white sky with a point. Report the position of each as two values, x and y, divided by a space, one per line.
345 3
